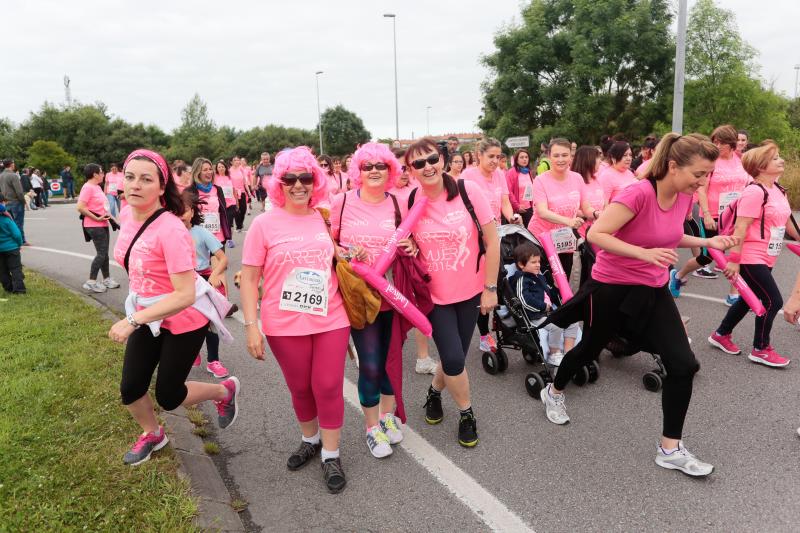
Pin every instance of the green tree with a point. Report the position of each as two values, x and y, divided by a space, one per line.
50 157
342 131
8 140
580 68
197 135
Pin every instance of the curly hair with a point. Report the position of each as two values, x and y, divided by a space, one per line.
373 152
293 159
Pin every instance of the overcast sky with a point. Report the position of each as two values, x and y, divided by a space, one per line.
253 61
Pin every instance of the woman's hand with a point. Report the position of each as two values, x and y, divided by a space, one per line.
709 222
215 280
120 331
408 246
731 270
791 311
255 342
662 257
722 242
576 223
358 252
488 301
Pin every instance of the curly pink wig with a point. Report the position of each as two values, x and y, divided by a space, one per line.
373 152
299 158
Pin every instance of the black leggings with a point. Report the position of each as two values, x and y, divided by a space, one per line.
566 264
241 211
759 279
100 262
172 354
453 326
665 335
230 212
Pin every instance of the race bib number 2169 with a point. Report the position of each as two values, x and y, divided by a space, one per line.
305 290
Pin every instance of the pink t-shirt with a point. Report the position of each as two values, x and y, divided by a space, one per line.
492 189
210 210
402 194
755 250
641 169
650 227
96 202
228 189
525 189
726 184
448 245
614 181
363 224
114 182
596 198
165 248
279 242
238 176
563 197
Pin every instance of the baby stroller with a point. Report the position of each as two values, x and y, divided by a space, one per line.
620 346
512 327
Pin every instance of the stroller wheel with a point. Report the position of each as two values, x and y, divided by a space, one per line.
502 359
529 356
545 376
652 381
594 371
534 384
581 377
490 363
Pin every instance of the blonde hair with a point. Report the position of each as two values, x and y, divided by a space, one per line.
756 159
681 149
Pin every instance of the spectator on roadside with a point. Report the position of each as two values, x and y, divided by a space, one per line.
46 189
37 183
25 179
68 183
11 188
11 276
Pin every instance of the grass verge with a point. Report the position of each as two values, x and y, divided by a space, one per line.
63 430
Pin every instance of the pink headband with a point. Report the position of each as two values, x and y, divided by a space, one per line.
155 157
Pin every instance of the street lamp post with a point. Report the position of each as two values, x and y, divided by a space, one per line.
428 120
680 74
396 107
796 72
319 114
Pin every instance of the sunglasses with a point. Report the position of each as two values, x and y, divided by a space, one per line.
367 167
323 165
291 179
419 164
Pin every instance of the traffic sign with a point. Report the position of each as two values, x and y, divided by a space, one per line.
518 142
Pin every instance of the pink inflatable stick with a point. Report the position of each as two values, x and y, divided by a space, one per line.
559 275
394 297
744 291
384 261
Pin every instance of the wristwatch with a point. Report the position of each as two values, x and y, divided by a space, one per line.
132 321
490 288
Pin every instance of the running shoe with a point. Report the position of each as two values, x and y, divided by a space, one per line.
111 283
146 444
391 426
93 286
232 310
487 344
302 455
197 361
216 369
467 430
769 357
731 299
724 343
705 274
675 283
239 230
232 244
426 366
334 475
681 459
554 358
433 407
554 406
228 409
378 442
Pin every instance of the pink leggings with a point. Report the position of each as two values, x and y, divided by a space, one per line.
313 367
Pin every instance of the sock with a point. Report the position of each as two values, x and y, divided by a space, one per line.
551 393
329 454
157 432
314 439
467 411
375 426
432 391
666 451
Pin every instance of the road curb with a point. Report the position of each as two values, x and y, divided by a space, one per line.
214 510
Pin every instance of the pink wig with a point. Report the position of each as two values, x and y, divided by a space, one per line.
374 152
299 158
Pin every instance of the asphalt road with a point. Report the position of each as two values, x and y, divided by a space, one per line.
595 474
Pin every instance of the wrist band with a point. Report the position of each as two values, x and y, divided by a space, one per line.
735 257
250 323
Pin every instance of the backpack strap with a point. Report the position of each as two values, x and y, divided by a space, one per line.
462 191
763 204
397 217
341 215
411 197
147 222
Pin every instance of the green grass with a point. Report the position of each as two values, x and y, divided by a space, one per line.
211 448
63 430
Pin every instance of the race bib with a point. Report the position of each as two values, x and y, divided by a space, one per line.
211 222
527 195
563 240
775 241
726 198
227 191
305 290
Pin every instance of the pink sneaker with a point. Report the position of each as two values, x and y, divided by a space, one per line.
144 446
197 361
724 343
216 369
768 356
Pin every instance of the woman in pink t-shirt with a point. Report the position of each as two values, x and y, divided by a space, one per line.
455 165
627 295
617 175
113 184
183 178
157 250
462 281
215 216
520 185
762 219
240 179
302 312
223 180
586 162
94 209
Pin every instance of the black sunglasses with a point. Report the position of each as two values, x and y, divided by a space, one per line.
367 167
291 179
324 165
419 164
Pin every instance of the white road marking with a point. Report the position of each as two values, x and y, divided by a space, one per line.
72 254
35 218
710 299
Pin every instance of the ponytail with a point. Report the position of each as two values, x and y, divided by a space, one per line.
681 149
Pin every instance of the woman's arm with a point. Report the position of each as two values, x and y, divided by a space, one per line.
791 311
215 279
491 241
507 210
542 211
791 230
248 292
702 199
84 210
614 217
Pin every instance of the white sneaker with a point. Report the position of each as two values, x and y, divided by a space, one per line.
391 426
555 358
378 442
426 366
554 406
93 286
684 461
111 283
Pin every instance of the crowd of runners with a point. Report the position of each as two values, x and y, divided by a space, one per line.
312 215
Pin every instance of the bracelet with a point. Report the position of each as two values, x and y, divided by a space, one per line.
132 321
250 323
735 257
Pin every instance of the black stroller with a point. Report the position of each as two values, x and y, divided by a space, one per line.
512 327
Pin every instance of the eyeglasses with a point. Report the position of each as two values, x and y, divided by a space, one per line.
323 165
367 167
419 164
291 179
